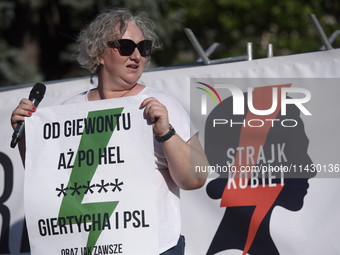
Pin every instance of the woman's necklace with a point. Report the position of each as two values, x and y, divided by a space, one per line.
129 90
94 97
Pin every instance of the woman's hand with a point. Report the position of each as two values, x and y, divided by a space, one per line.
157 114
24 109
178 153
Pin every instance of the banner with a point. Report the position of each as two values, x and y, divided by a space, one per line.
88 187
311 227
259 140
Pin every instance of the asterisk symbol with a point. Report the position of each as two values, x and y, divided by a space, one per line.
88 187
61 190
102 186
116 185
75 189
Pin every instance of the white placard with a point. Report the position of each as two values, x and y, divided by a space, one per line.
88 187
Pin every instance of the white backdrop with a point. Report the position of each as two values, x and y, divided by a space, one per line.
315 229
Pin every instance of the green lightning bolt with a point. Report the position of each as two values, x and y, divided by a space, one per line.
80 175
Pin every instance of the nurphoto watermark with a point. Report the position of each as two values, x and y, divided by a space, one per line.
251 127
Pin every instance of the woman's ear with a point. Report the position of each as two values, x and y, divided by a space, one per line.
101 60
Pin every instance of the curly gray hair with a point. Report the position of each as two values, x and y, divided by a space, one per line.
107 26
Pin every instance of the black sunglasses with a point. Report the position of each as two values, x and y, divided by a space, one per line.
126 47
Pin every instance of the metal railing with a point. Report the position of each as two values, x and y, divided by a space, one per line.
204 55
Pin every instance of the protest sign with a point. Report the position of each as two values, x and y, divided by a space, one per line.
88 187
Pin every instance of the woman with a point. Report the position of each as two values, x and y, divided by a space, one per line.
115 47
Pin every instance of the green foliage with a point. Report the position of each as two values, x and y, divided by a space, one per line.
6 14
13 70
38 36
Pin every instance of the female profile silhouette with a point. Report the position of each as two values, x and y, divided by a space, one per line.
281 143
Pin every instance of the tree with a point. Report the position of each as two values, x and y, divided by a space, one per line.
37 37
233 23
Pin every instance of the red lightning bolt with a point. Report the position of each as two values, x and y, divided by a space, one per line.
261 197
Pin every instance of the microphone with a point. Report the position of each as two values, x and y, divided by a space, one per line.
36 95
